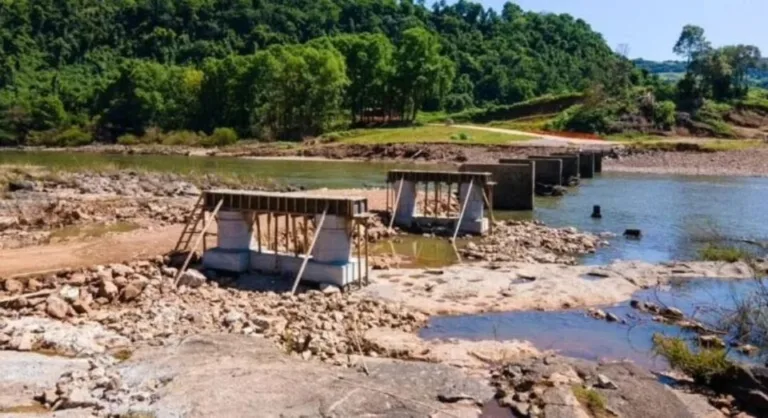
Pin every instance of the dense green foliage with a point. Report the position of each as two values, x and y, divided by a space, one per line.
275 68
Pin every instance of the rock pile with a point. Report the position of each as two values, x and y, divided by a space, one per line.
531 242
139 302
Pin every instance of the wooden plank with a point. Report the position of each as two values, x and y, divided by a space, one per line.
463 209
397 203
309 251
197 243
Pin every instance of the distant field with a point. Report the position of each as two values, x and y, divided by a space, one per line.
444 134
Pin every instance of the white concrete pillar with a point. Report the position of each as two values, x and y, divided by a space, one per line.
334 243
234 231
475 211
406 207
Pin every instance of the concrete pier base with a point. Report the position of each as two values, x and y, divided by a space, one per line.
474 221
571 167
406 207
548 170
599 162
514 187
587 165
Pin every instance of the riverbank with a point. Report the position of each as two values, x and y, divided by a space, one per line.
691 158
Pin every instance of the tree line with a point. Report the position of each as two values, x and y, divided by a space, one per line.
274 69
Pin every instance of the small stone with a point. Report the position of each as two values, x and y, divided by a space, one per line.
107 289
121 270
13 286
673 313
78 279
81 306
612 317
132 291
637 304
597 313
306 355
748 349
33 285
22 342
329 289
269 324
603 382
233 317
521 409
69 293
56 307
711 341
192 279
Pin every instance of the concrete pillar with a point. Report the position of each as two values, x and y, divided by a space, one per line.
234 231
406 207
475 213
334 243
514 184
587 165
599 162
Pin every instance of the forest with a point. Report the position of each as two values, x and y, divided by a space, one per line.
273 69
76 71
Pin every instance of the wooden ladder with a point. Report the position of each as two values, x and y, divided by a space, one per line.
190 228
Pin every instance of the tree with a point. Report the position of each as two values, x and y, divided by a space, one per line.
691 43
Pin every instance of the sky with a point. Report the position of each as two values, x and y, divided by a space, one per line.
651 27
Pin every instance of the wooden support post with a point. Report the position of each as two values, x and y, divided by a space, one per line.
386 208
463 209
367 267
309 250
287 233
258 230
269 230
490 210
450 198
437 199
426 197
277 240
359 256
393 213
295 236
306 233
197 242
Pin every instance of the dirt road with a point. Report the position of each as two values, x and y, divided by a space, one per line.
89 252
539 139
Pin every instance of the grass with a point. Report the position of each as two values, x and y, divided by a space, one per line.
714 252
536 123
423 134
591 400
659 143
701 365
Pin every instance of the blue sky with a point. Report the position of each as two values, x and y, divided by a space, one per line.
651 27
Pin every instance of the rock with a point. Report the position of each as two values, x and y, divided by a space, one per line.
121 270
597 313
108 289
748 349
273 325
81 306
329 288
612 317
79 398
637 304
673 313
77 279
13 286
711 341
22 342
69 293
33 285
56 307
132 291
233 317
21 185
192 279
603 382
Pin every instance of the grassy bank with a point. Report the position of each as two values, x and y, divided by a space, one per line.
421 134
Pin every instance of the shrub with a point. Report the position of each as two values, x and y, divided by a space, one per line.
220 137
464 136
701 365
591 400
713 252
186 138
128 139
74 137
664 114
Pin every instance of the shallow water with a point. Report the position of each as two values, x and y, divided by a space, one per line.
574 334
676 213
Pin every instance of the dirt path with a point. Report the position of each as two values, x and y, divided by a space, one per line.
86 253
538 139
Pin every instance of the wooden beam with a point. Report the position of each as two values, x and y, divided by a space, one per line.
463 208
367 267
397 203
359 256
309 250
258 230
490 210
197 242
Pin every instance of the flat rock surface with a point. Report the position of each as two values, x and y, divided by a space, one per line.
237 376
475 288
24 375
